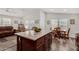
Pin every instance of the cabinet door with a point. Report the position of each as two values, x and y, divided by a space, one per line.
50 38
40 44
48 41
27 45
77 40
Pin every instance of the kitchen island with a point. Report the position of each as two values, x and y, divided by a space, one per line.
31 41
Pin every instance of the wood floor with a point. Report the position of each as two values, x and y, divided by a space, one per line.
57 44
63 45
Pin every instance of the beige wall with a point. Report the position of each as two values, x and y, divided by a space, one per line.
17 14
74 27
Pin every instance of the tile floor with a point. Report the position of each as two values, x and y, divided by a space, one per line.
57 44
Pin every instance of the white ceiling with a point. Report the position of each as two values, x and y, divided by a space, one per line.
61 10
19 11
36 10
47 10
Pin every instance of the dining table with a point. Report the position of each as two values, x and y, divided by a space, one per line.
59 33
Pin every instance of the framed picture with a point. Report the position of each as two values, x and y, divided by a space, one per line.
72 21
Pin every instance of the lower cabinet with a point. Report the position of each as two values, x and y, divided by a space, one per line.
27 44
41 44
48 41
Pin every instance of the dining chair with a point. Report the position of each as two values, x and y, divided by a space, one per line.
56 33
65 35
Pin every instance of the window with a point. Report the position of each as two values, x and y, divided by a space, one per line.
26 24
59 23
63 23
6 21
0 21
54 23
29 24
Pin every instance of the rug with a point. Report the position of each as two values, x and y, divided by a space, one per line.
7 43
3 40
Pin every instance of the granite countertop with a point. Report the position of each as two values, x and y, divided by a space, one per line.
32 35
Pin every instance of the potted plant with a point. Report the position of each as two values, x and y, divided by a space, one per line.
36 29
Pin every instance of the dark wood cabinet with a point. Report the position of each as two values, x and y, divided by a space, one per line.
27 45
77 39
48 41
41 44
